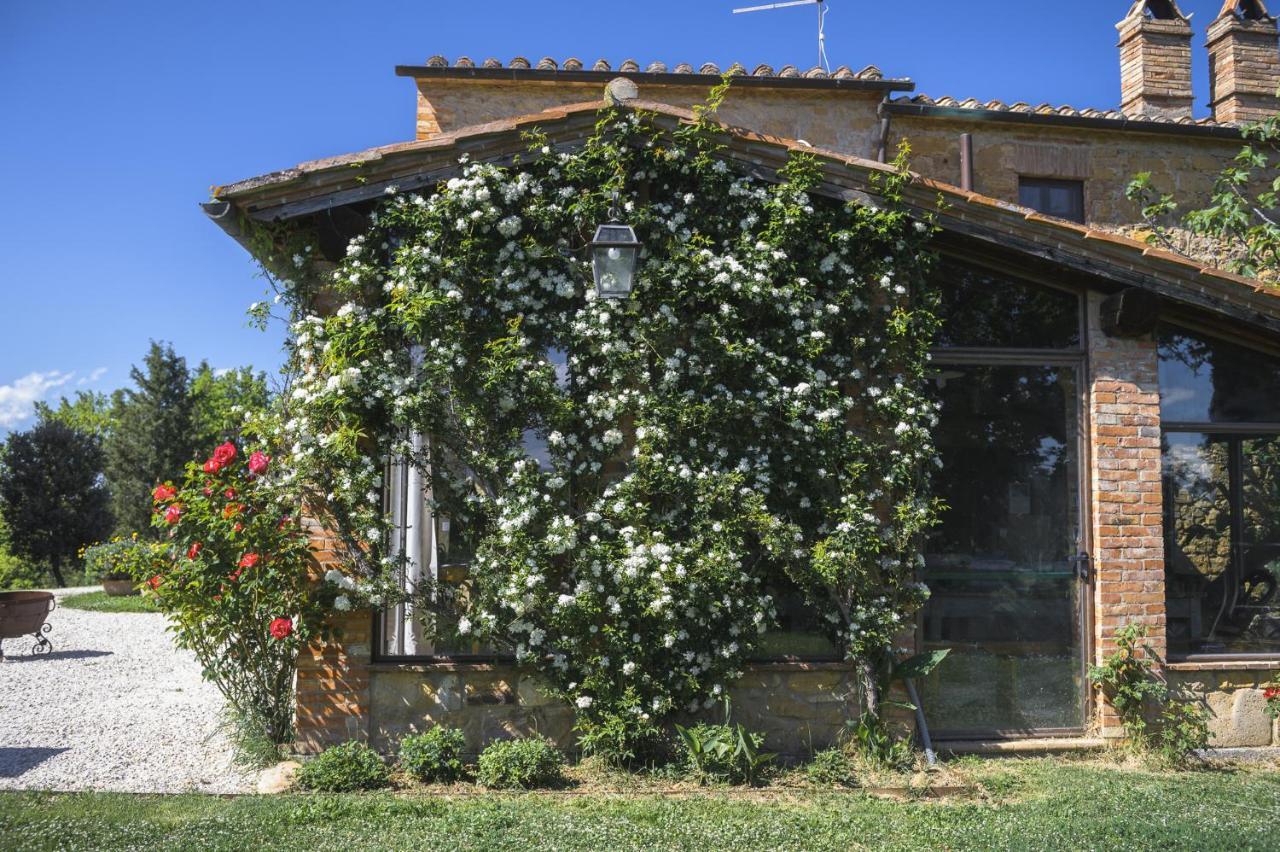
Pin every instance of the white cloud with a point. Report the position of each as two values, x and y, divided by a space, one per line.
17 400
92 377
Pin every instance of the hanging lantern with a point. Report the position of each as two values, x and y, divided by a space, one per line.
614 253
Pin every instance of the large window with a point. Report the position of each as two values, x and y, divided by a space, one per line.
1220 410
1007 598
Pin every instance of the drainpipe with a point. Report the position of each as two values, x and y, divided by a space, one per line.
923 728
966 162
882 140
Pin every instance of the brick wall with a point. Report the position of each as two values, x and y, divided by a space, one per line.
333 675
1128 549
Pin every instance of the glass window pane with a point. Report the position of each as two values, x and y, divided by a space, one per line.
1205 380
1222 542
1005 598
985 309
1061 198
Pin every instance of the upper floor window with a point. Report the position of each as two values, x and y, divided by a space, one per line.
1053 197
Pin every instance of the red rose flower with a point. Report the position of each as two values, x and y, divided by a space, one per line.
212 466
230 494
173 514
163 492
225 454
239 527
194 550
231 509
281 627
208 492
249 560
258 463
1271 693
235 575
154 582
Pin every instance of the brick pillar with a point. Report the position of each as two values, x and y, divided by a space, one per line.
1128 548
333 675
1155 61
1244 63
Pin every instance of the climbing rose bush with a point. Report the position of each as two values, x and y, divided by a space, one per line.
235 583
634 477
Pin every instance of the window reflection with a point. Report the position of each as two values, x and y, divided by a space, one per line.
984 309
1205 380
1005 598
1222 543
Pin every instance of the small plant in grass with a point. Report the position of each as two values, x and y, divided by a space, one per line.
831 766
726 754
344 769
870 737
1128 680
520 764
435 755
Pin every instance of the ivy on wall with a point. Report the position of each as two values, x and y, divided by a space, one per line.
753 410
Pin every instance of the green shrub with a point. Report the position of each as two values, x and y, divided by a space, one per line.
435 755
1127 678
723 753
527 763
17 574
123 559
343 768
831 766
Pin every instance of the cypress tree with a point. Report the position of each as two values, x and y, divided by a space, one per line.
153 436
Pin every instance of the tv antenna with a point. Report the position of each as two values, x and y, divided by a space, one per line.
822 23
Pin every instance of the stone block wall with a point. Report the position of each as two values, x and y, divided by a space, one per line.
798 707
1128 547
1232 693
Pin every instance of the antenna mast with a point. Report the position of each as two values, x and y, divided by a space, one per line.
822 23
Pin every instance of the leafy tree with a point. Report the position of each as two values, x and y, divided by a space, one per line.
1239 229
220 398
153 436
52 495
89 411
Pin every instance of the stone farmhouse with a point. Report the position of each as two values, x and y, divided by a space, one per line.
1111 423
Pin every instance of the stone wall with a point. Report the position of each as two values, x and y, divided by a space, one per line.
1232 692
848 122
799 707
1106 160
841 120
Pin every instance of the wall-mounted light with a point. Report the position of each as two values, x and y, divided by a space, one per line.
614 253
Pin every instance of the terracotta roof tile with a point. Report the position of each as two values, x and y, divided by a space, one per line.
844 72
1048 109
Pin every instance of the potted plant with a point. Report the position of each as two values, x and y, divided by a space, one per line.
115 563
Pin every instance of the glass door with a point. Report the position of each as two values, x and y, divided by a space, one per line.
1008 591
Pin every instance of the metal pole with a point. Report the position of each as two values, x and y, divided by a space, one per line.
966 162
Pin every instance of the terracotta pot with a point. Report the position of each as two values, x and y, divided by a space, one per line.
119 588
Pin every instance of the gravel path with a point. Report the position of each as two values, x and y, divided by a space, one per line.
114 707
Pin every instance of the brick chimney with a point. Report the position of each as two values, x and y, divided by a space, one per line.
1155 60
1244 62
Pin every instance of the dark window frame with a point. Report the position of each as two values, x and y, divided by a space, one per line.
1045 184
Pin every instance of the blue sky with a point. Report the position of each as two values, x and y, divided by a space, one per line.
117 117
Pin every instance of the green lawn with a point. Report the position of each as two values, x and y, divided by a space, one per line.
1036 804
102 602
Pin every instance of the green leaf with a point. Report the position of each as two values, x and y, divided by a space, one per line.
920 665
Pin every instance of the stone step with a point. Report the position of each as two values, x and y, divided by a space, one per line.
1030 745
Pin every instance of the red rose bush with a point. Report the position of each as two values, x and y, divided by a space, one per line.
236 586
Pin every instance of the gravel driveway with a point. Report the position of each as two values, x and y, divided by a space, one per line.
114 707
